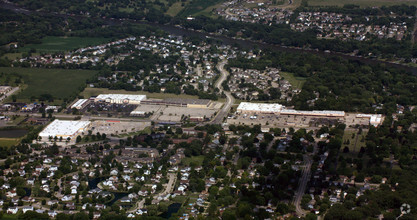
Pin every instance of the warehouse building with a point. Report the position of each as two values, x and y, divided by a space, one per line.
120 98
258 108
189 103
266 108
64 129
324 113
374 119
80 104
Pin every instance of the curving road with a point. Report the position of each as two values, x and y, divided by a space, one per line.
302 186
229 98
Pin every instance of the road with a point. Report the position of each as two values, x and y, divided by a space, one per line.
168 189
229 98
302 186
15 89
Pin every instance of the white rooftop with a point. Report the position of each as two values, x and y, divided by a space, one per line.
374 119
79 103
314 112
261 107
63 128
121 97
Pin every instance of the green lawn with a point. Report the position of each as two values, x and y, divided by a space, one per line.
196 6
8 142
8 217
146 130
54 44
60 83
175 8
208 11
296 82
362 3
198 160
354 143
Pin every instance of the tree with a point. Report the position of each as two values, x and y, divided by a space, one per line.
78 140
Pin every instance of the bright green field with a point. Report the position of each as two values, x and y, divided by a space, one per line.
60 83
362 3
55 44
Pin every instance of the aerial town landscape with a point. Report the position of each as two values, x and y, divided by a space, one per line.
282 109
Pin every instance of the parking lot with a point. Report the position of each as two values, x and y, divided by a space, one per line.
121 110
172 113
271 120
115 127
296 121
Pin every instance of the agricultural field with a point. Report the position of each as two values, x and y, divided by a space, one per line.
60 83
362 3
52 44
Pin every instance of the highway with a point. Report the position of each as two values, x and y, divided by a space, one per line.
302 186
229 98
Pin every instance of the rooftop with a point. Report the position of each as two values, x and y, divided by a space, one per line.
262 107
121 97
63 128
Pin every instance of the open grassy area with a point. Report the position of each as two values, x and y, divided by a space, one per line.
208 11
60 83
9 217
175 8
197 6
147 130
362 3
198 160
54 44
8 142
16 121
296 82
88 92
352 140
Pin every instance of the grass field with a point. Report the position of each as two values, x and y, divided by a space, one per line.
355 143
54 44
8 142
60 83
197 6
198 160
175 8
362 3
296 82
207 12
9 217
88 92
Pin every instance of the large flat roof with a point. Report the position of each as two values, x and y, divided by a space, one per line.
187 101
121 97
63 128
79 103
314 112
260 107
